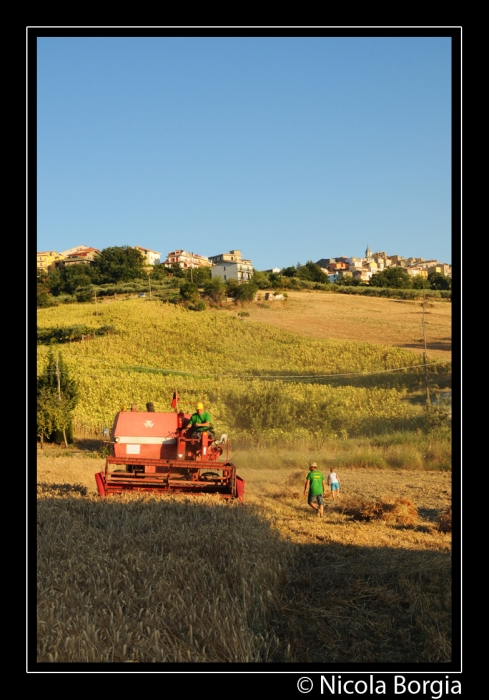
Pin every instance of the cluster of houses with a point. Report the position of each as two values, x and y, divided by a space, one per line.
232 265
228 266
372 263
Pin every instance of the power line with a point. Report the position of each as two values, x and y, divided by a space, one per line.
162 370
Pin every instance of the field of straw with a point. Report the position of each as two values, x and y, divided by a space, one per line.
179 579
395 322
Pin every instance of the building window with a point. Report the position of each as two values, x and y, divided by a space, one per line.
224 276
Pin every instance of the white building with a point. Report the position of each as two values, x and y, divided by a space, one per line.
240 271
232 256
186 260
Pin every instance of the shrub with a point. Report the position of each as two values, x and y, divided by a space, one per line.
189 291
197 306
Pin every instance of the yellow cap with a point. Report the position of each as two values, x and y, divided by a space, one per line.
199 405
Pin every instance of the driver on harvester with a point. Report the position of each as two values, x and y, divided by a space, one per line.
200 422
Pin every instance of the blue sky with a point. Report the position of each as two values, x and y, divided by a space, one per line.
287 148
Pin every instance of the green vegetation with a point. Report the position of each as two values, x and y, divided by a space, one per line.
68 334
57 397
263 386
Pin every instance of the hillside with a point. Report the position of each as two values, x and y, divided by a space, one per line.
359 318
236 363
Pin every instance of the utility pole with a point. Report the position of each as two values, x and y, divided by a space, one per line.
149 280
428 400
59 395
96 308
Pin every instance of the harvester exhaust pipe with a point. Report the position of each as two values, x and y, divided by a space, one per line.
134 407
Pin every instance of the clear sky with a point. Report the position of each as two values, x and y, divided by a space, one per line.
287 148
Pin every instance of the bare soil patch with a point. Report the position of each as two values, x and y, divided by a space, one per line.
396 322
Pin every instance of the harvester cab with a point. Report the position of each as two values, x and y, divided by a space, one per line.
155 452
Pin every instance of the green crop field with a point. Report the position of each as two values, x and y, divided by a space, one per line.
260 382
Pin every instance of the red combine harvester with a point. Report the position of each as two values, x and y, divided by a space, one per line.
151 451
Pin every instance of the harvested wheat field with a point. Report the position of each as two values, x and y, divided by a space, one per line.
178 579
369 319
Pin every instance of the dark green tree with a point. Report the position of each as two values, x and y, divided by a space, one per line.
275 279
232 288
118 264
438 281
57 397
44 298
56 282
189 291
311 272
159 272
349 282
215 289
289 271
73 277
394 277
198 275
176 270
419 282
246 291
261 279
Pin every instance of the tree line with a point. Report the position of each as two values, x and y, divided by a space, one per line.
122 264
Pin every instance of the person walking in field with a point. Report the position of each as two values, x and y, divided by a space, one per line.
334 483
315 479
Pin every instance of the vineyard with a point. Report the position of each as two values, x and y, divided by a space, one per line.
261 383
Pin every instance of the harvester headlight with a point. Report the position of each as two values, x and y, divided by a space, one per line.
180 455
117 439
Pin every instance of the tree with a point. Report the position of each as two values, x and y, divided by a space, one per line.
275 279
215 289
69 279
289 271
57 397
246 291
55 282
43 296
159 272
176 270
261 279
189 291
119 264
420 282
438 281
198 275
349 282
394 277
232 287
312 273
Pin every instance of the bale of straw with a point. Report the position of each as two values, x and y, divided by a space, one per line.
401 511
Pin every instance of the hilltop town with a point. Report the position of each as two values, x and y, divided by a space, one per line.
232 265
